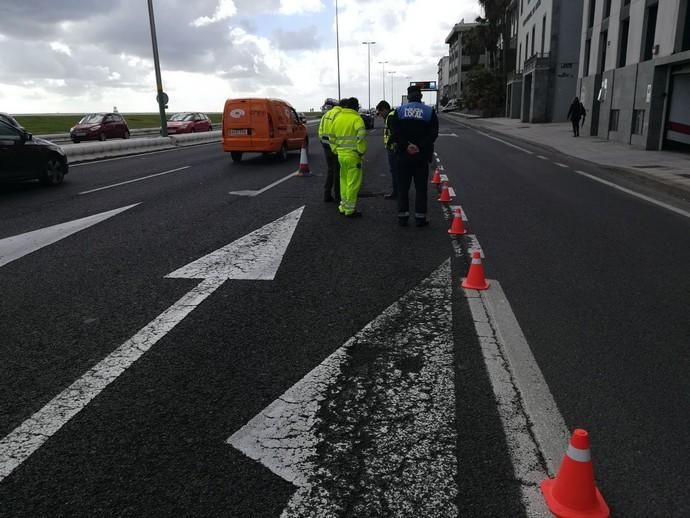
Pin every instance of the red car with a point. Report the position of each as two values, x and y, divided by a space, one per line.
99 126
189 122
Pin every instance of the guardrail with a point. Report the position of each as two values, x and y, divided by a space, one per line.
59 138
113 148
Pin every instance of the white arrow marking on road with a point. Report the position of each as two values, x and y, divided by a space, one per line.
254 256
395 381
12 248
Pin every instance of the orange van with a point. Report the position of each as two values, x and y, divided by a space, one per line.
261 126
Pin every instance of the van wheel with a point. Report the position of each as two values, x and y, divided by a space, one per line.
236 156
283 153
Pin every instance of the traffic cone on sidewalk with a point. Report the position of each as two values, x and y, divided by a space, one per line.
436 178
457 228
304 162
572 494
445 194
475 279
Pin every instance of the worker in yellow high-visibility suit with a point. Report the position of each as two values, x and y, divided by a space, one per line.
350 143
331 189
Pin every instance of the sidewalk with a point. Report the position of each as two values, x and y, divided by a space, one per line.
668 167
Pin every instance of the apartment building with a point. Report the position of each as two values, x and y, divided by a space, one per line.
443 80
459 62
634 76
544 82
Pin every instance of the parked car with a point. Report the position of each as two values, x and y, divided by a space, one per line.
189 122
260 125
25 157
451 105
99 126
6 117
368 118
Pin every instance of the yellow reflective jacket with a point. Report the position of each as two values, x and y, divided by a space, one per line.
326 124
387 131
349 136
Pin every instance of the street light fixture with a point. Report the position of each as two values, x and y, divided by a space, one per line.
337 45
369 44
162 97
391 74
383 77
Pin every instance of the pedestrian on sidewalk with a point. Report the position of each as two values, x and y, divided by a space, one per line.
576 113
383 110
331 189
414 129
349 139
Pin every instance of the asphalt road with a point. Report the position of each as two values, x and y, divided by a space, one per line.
597 279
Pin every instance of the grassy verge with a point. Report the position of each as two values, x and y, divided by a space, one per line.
48 124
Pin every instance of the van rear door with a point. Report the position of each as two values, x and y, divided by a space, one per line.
238 124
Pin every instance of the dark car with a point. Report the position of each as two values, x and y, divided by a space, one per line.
99 126
368 118
7 118
189 122
25 157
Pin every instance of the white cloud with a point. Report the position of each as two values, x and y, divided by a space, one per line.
290 7
225 10
61 47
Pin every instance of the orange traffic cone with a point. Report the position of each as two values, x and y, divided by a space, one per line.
304 162
436 179
572 494
457 228
445 194
475 277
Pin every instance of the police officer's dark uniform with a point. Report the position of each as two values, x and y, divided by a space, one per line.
414 129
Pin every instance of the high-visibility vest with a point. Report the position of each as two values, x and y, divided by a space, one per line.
387 131
349 135
326 124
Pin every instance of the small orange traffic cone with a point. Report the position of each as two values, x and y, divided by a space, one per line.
304 162
457 228
445 194
572 494
436 179
475 279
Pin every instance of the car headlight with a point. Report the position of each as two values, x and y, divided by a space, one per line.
71 129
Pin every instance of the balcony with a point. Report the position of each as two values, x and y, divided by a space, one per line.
538 61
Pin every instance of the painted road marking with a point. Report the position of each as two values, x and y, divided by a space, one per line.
138 155
261 191
636 194
447 135
254 256
560 165
505 142
372 380
135 180
14 247
540 157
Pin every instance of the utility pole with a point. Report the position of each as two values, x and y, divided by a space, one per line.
369 44
162 97
337 46
383 77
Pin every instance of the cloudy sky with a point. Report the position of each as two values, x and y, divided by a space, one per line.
73 56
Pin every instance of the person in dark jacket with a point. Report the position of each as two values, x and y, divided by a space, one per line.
576 113
414 129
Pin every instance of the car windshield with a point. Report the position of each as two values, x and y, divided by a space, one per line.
181 117
91 118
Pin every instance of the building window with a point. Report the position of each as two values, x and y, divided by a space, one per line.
533 38
623 43
649 32
526 46
592 3
638 122
603 46
519 62
543 33
685 42
613 120
588 50
607 8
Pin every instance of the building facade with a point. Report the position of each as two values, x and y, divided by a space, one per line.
634 76
459 61
544 82
443 80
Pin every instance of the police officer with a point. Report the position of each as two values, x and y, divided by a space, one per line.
414 129
350 143
332 187
383 109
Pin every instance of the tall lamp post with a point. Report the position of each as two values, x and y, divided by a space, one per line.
337 45
162 97
392 99
369 44
383 77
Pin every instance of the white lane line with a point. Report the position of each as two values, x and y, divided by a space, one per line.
135 180
138 155
505 142
637 194
540 157
261 191
496 343
561 165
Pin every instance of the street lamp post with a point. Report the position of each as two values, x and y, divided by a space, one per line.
392 98
162 97
369 44
337 45
383 77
